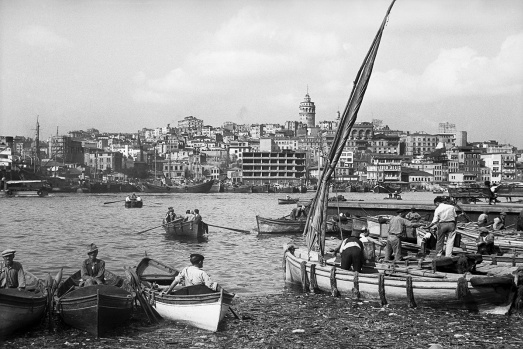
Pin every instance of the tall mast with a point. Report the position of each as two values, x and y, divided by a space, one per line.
37 145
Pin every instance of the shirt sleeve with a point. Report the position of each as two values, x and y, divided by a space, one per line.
85 273
21 277
437 212
407 222
208 282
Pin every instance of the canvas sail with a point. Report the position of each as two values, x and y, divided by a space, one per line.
316 221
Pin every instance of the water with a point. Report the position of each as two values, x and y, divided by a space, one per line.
54 232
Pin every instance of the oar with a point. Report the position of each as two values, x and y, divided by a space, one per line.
233 229
112 202
143 231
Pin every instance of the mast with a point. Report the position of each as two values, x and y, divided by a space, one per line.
37 145
315 227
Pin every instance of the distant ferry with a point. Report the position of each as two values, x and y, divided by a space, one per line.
29 188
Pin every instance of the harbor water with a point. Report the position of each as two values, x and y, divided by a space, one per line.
54 232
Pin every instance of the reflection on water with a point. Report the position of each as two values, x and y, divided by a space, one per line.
53 232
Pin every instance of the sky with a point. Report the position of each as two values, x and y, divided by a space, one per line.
120 66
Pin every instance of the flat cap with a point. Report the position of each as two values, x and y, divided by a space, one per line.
8 252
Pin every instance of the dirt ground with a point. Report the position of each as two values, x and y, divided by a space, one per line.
294 320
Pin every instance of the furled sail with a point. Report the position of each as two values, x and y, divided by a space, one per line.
316 221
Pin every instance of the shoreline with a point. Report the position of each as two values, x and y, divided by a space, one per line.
296 320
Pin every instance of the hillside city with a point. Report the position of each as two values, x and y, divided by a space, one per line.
256 154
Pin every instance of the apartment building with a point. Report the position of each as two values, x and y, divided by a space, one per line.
273 167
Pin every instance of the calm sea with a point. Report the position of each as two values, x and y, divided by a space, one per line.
54 232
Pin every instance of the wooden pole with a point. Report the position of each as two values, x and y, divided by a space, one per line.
314 281
410 293
334 286
304 281
462 289
381 289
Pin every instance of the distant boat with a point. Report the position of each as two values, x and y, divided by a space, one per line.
134 204
238 189
279 226
289 201
193 188
27 188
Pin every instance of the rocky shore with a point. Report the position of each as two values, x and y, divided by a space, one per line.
295 320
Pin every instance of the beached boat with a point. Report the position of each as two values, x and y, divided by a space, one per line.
279 225
488 294
94 309
180 228
21 309
264 188
197 306
311 267
288 201
134 204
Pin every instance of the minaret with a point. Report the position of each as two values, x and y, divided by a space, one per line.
37 145
308 111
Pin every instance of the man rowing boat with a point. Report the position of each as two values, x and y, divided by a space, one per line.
11 272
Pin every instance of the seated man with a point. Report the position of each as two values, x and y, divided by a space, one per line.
170 216
189 216
499 222
11 272
485 241
193 275
93 269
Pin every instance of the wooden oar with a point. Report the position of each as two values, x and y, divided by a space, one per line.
112 202
233 229
143 231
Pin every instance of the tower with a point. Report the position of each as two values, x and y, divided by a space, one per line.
308 111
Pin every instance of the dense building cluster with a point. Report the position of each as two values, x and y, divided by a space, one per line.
285 154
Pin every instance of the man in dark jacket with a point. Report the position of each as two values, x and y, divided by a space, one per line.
93 269
351 250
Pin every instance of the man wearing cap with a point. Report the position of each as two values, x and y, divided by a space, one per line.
351 250
170 216
93 269
193 275
397 224
499 222
445 217
485 241
11 272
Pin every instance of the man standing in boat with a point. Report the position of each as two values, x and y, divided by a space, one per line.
193 275
202 227
397 225
11 272
413 215
93 269
445 217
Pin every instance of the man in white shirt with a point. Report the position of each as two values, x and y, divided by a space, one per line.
445 217
194 275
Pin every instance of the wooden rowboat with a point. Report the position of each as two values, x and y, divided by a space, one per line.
197 306
287 201
94 309
21 309
134 204
279 226
486 294
180 228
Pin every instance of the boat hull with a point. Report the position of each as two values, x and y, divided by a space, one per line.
196 188
134 204
287 201
279 226
432 292
183 229
94 309
203 311
21 309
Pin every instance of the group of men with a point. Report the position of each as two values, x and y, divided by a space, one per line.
188 217
93 272
133 197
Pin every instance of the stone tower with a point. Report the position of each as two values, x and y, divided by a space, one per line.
308 111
